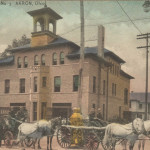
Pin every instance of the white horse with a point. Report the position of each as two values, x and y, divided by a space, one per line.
129 132
39 129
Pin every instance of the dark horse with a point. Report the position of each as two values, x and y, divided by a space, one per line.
38 130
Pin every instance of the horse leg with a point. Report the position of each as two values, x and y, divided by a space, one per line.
139 145
47 142
143 144
51 138
39 147
131 146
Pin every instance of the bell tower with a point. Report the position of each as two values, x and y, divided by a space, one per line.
44 26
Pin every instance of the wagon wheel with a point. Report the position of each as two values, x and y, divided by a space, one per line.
91 142
29 141
64 137
8 138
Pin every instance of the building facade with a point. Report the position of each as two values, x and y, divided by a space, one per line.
137 105
43 76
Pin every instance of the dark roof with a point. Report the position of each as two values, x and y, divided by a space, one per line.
139 96
56 42
93 50
7 60
44 11
126 75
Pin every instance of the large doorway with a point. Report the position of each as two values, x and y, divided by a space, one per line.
61 109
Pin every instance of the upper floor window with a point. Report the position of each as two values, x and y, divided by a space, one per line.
35 84
113 88
35 60
125 96
61 58
94 84
19 62
44 81
22 85
54 59
57 84
43 60
7 86
104 87
75 82
140 106
25 62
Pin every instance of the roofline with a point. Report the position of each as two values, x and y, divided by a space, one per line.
114 55
42 47
126 75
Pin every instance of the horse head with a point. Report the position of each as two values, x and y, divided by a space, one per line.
138 126
56 122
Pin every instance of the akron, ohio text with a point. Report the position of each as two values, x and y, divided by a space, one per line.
31 3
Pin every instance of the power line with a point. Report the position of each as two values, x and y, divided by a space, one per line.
128 17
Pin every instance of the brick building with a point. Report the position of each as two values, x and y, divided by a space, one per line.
43 76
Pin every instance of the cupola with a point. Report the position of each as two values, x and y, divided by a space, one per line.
44 26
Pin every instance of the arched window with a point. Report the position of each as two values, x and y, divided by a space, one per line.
61 58
125 96
54 59
43 60
40 24
36 60
19 62
25 62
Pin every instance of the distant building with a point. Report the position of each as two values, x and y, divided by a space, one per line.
43 76
137 105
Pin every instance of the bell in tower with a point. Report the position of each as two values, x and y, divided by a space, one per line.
44 26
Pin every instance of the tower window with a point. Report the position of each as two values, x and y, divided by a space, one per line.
61 58
25 62
43 60
19 62
35 60
54 59
94 84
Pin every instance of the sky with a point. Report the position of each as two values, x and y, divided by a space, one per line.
123 21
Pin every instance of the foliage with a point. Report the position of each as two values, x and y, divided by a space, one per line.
19 42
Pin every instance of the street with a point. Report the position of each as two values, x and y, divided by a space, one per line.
55 146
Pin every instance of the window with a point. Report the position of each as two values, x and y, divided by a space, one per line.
75 82
34 111
61 58
25 62
104 87
36 60
44 81
54 59
103 111
125 96
148 108
35 84
119 111
57 84
43 60
7 86
112 89
22 85
115 89
140 106
19 62
94 84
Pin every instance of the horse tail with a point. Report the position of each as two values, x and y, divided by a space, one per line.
107 135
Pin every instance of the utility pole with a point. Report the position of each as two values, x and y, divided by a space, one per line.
145 36
81 63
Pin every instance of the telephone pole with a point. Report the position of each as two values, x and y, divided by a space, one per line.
145 36
81 62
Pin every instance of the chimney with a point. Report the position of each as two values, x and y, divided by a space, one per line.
101 36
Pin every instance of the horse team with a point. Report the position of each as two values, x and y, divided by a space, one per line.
113 132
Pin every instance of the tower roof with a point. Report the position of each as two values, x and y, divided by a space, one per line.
45 10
